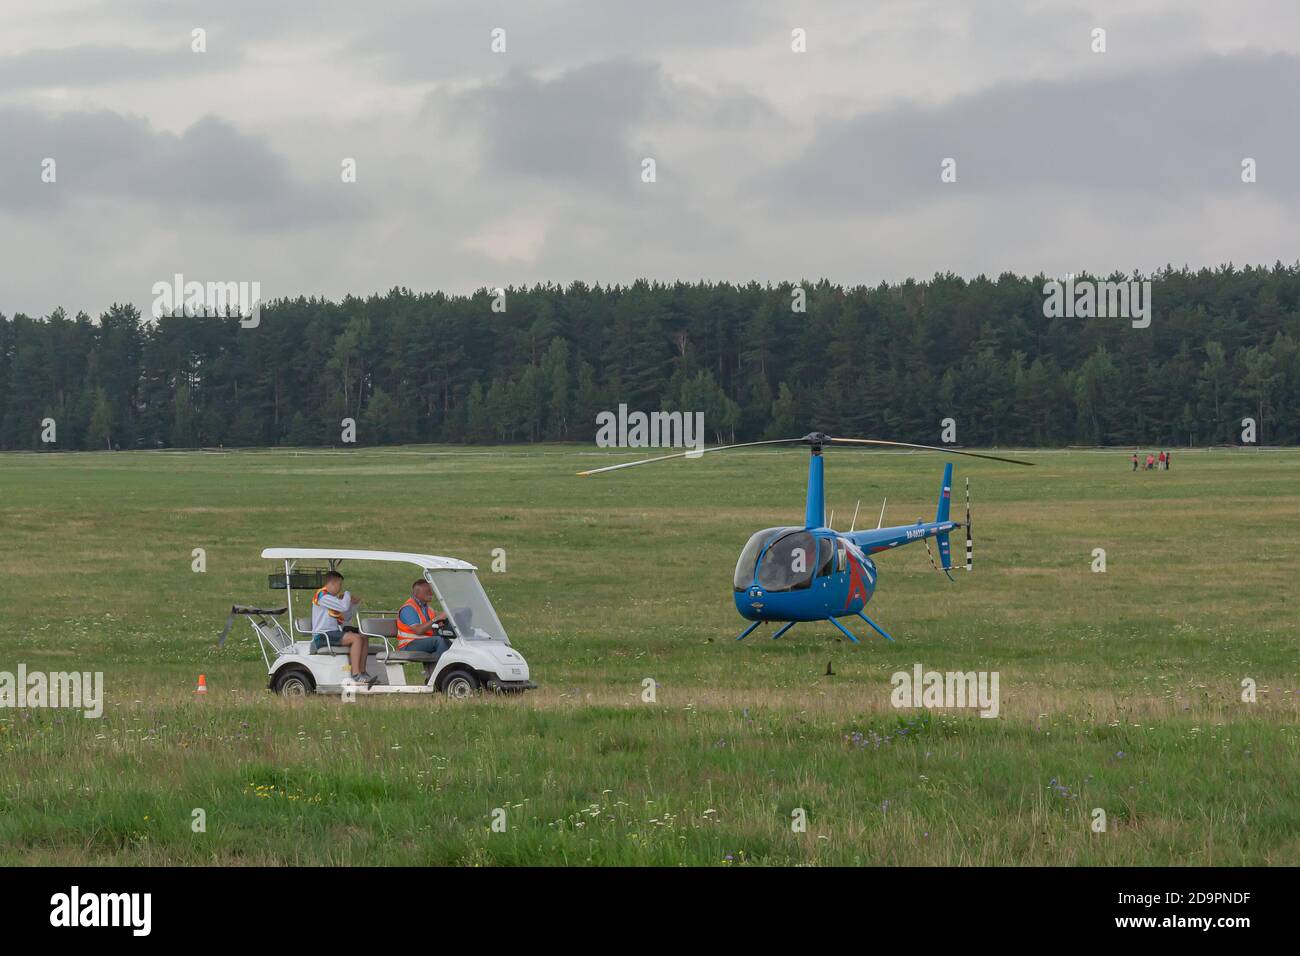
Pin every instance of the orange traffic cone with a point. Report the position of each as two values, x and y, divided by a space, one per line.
203 685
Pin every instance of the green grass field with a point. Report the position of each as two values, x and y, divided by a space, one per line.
1119 691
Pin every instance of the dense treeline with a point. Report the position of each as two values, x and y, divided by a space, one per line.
890 361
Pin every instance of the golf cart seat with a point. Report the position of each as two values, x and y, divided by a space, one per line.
338 650
330 650
419 657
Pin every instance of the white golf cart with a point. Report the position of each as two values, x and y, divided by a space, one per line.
480 655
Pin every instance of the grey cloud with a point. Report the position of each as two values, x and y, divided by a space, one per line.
585 126
421 41
429 41
1136 155
211 165
97 65
238 19
572 128
1163 134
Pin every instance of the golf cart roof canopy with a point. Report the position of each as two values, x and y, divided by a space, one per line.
426 562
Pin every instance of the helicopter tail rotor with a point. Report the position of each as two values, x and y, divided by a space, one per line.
930 555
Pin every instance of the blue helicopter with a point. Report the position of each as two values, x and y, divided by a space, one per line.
814 573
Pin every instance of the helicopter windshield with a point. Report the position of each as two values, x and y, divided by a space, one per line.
788 562
749 557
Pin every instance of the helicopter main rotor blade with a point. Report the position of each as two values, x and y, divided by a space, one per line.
815 439
903 444
689 454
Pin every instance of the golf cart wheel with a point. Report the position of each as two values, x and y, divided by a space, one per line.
460 684
293 683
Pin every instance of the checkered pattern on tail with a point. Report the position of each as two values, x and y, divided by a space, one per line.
970 540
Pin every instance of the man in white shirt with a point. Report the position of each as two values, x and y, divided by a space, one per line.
330 613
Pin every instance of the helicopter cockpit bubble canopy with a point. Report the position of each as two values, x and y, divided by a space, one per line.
748 562
784 559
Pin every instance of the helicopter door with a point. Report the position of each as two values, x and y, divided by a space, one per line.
826 556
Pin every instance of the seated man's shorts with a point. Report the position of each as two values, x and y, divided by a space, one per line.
335 637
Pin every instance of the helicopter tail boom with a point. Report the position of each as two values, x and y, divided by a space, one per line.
885 539
876 540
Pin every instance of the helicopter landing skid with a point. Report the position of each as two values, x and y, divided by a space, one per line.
750 630
876 627
783 630
847 632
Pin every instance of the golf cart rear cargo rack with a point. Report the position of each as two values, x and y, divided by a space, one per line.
299 579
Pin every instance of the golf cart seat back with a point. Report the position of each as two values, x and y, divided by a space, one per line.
386 627
379 626
303 626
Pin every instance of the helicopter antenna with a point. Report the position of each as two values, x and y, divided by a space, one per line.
854 523
831 522
881 522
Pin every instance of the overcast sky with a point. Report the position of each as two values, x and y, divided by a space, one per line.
477 168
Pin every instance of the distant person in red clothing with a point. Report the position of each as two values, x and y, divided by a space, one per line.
1162 461
1151 462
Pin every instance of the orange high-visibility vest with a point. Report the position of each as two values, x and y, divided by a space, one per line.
407 634
315 600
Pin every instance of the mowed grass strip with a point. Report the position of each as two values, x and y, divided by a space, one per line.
1119 691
